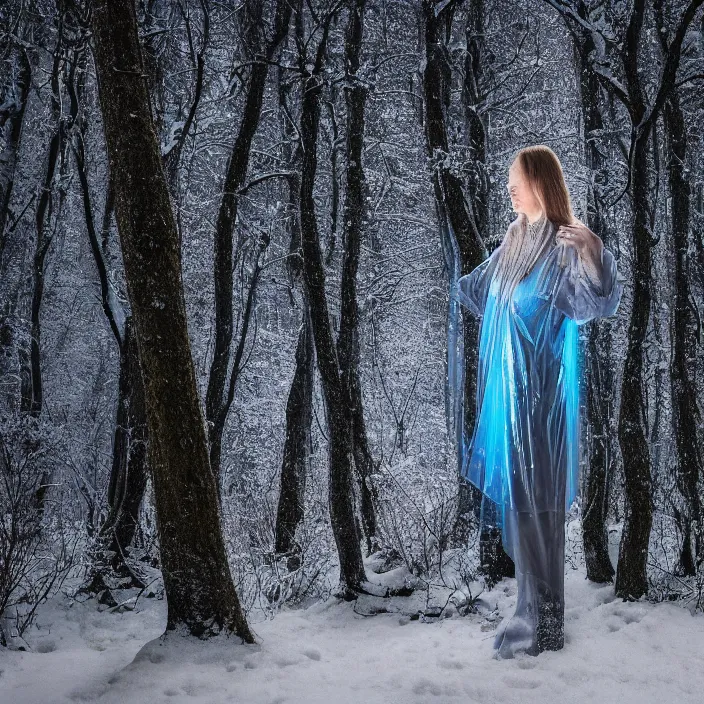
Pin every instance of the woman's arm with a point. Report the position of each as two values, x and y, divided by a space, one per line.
589 286
472 289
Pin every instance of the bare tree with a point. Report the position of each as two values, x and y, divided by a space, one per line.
128 476
344 521
687 415
353 216
200 591
299 405
262 50
600 377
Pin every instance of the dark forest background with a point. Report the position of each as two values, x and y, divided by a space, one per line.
317 176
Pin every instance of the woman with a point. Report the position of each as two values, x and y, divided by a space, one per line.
550 274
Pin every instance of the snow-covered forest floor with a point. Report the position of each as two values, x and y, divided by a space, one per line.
615 651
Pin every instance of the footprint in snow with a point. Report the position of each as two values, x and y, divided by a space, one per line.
426 686
451 664
517 682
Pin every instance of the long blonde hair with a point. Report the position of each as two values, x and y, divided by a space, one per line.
519 253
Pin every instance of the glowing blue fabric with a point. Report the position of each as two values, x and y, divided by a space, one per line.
529 371
524 450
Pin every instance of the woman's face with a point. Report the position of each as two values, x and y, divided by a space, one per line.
523 199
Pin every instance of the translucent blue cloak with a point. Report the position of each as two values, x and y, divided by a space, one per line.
524 450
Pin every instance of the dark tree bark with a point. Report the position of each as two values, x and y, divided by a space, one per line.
631 579
600 383
299 414
172 158
686 413
201 595
334 182
48 206
343 519
353 215
631 572
7 357
449 193
463 247
299 407
128 478
47 215
263 51
476 74
13 101
237 357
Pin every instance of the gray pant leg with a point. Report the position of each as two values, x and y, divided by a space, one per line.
537 542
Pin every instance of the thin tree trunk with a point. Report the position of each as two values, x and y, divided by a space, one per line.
201 596
43 215
685 401
631 570
353 214
643 108
218 426
631 574
599 365
237 166
49 206
299 414
128 476
341 503
299 407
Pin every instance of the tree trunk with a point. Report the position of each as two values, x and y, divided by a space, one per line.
45 210
353 214
643 107
599 381
128 478
218 426
200 592
49 205
237 166
299 408
631 574
685 401
299 414
341 501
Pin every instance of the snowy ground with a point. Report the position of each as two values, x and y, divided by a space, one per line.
614 652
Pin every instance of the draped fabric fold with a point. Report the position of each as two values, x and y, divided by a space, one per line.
524 450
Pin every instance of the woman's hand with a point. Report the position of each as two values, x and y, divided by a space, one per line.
588 245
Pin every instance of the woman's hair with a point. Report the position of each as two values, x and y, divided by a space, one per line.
543 172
